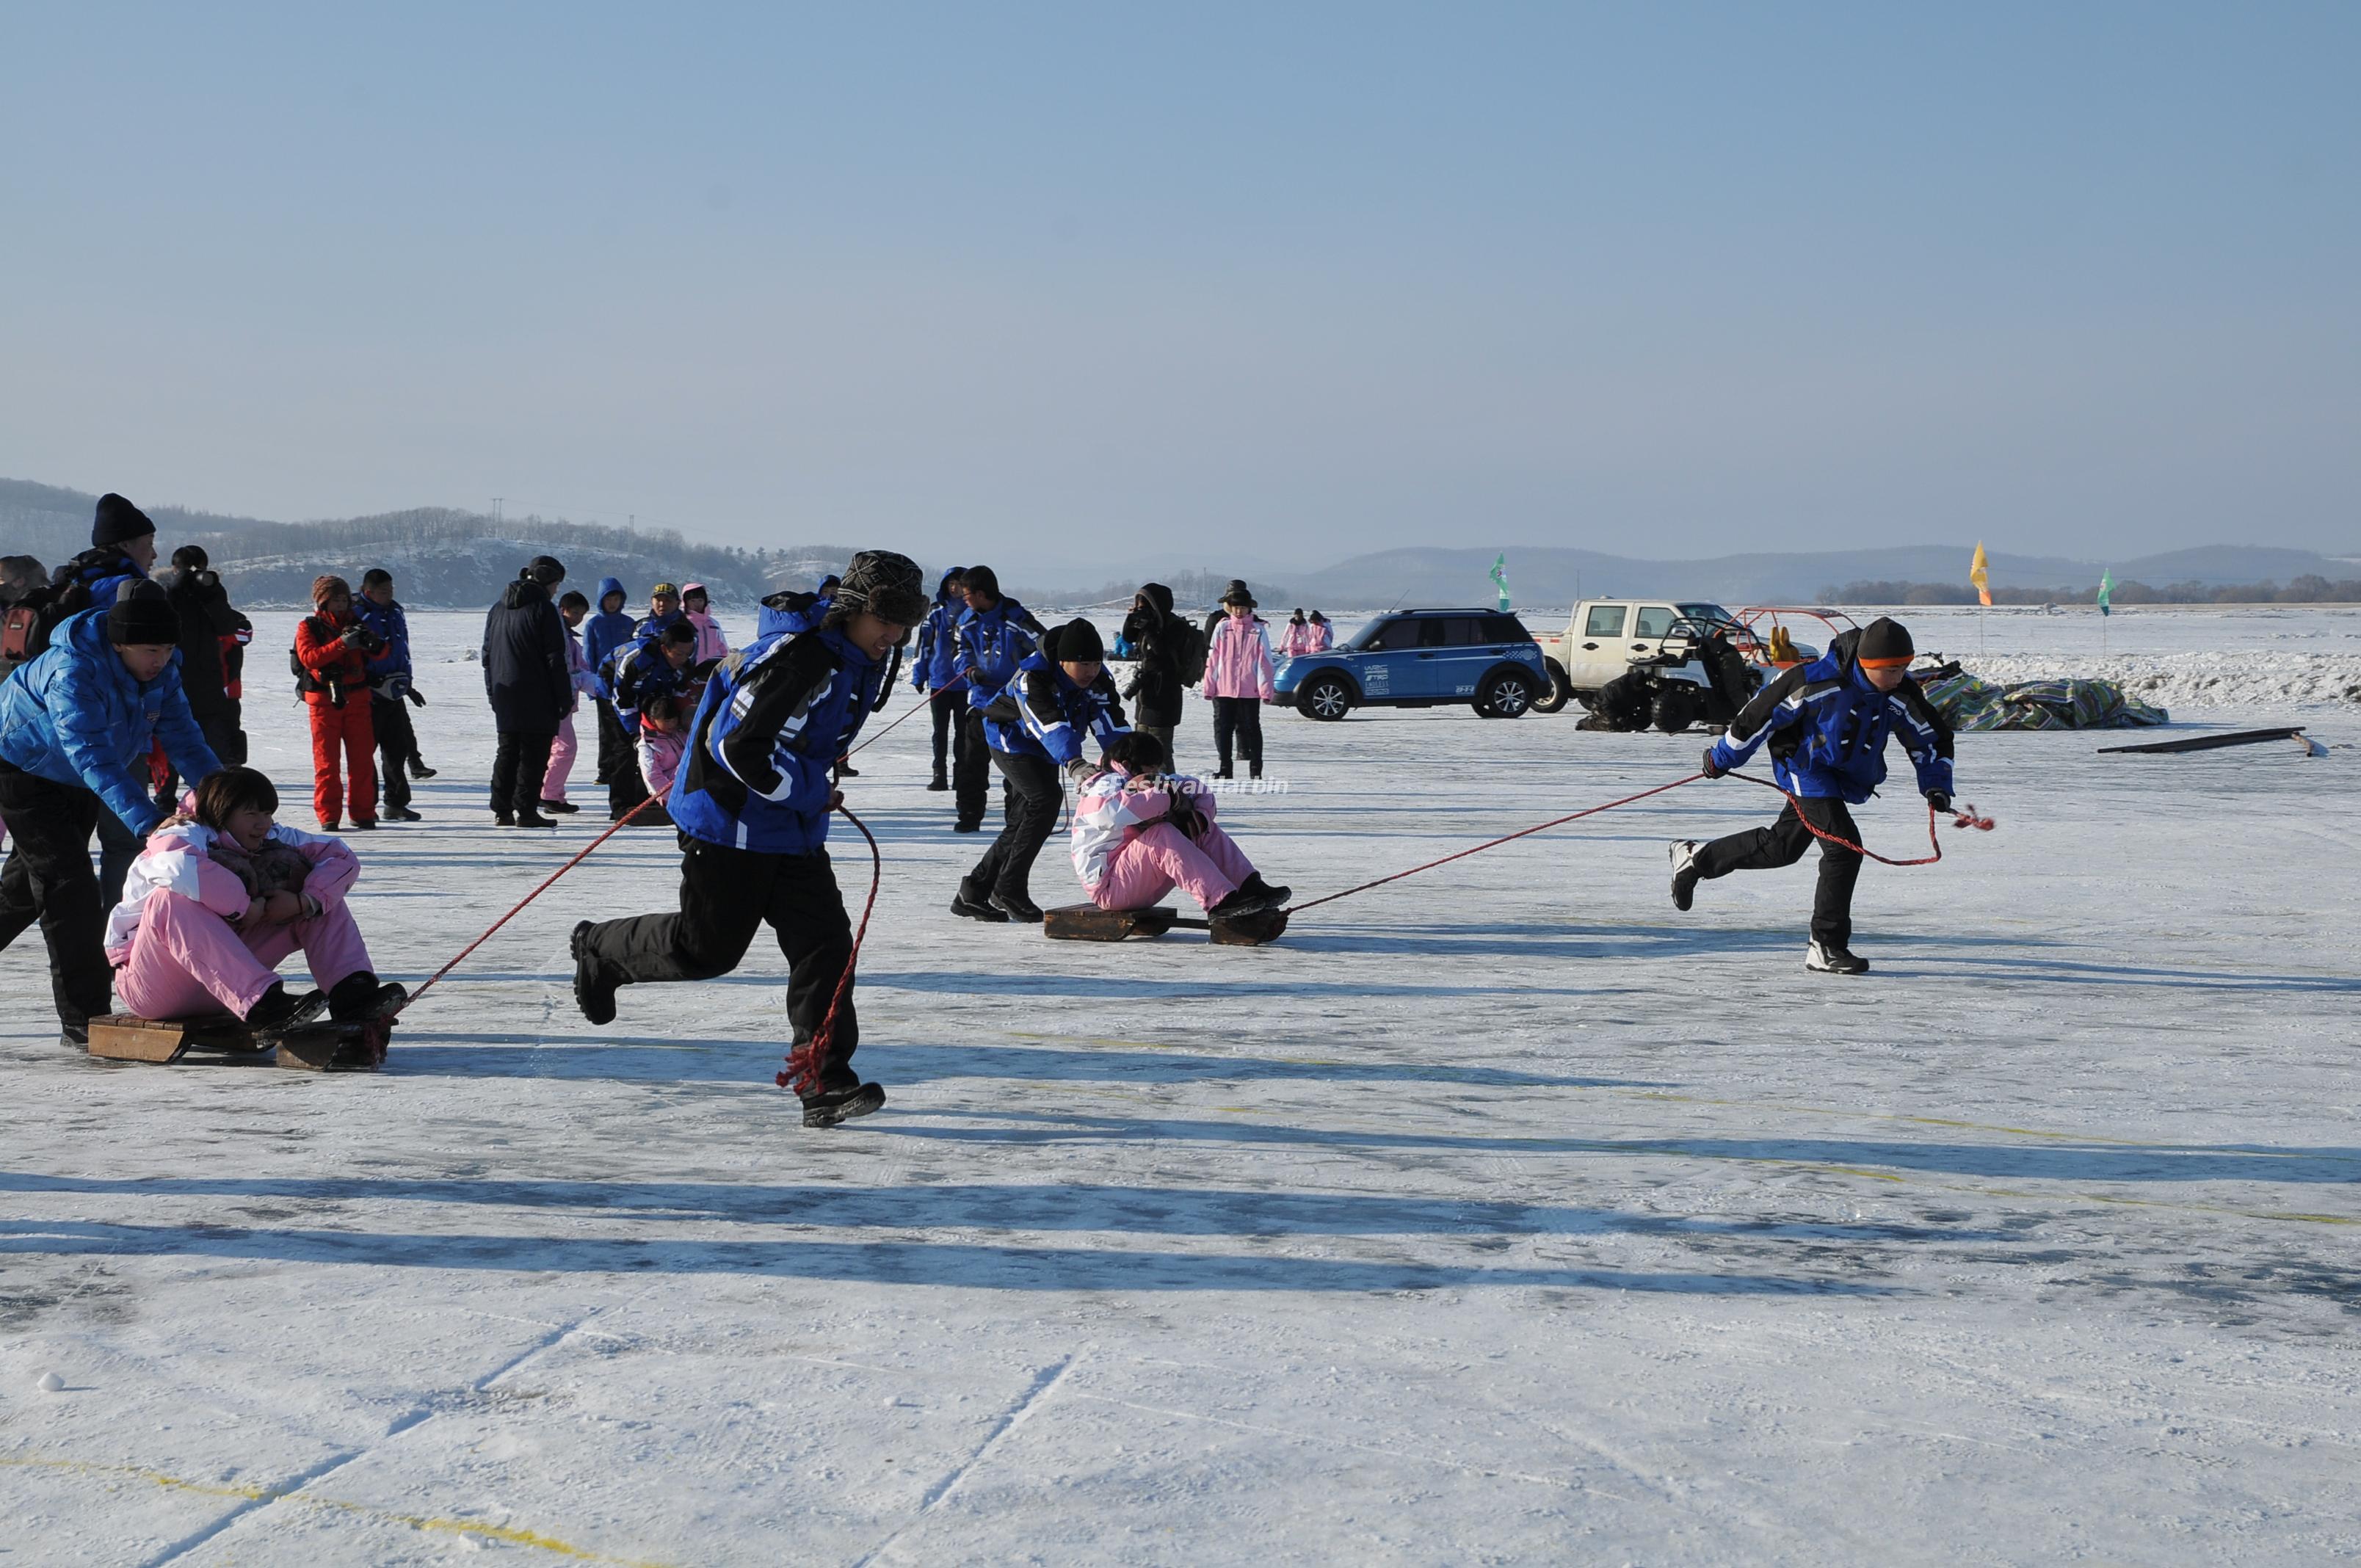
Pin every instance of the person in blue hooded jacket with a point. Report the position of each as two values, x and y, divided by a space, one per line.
1827 723
995 635
607 631
935 669
392 692
751 801
1054 717
122 550
76 727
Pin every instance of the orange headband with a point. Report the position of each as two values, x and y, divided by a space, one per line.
1900 664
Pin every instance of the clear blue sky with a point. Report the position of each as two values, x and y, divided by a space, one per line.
1287 281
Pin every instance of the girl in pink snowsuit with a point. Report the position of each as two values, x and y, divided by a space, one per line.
711 643
664 737
1138 834
216 902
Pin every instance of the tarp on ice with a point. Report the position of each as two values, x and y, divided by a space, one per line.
1971 705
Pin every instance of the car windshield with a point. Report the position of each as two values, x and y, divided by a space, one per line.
1711 614
1369 635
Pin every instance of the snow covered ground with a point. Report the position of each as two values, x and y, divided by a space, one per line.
1502 1215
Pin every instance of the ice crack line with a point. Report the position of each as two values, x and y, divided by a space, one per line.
1044 1383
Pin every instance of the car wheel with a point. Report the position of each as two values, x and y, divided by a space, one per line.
1506 695
1674 709
1325 697
1560 693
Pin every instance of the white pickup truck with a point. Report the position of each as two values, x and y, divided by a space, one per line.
1604 635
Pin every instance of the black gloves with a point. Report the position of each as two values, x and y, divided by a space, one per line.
1712 769
417 698
1939 799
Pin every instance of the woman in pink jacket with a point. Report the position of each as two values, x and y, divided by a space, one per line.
711 643
218 899
1237 679
1139 833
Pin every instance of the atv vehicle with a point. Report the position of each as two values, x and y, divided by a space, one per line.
1695 673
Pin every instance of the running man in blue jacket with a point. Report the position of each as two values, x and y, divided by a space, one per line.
751 801
76 727
1827 722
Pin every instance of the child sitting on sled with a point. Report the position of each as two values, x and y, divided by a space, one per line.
1140 832
220 895
664 735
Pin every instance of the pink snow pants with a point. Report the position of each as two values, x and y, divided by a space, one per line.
187 963
562 752
1155 860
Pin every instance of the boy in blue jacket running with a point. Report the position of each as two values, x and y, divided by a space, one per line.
751 801
76 727
935 665
1827 722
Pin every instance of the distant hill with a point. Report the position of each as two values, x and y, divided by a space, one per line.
439 558
1559 576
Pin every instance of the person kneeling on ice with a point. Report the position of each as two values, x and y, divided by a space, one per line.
752 802
220 896
1140 832
1827 722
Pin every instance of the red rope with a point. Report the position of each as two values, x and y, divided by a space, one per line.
805 1061
914 709
619 823
1496 843
1965 816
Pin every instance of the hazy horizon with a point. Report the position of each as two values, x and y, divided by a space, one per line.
1285 285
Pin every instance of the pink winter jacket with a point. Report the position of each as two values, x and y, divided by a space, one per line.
1238 664
178 859
711 643
1114 807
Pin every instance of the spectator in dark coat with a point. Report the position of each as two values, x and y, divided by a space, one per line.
526 677
213 651
1155 635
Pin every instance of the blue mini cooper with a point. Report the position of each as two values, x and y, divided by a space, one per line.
1420 658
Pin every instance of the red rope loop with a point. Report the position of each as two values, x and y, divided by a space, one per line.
805 1061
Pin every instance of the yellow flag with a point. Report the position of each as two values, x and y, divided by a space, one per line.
1979 574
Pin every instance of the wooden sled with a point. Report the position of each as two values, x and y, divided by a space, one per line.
1089 923
324 1047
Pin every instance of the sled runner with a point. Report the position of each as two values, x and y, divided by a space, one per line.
1089 923
2215 742
318 1048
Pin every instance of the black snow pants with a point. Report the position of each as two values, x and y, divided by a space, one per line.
1036 793
950 729
1240 717
726 895
396 743
613 744
517 769
1782 844
48 879
971 777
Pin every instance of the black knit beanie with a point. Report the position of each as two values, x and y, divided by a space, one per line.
1884 638
117 523
1077 641
142 614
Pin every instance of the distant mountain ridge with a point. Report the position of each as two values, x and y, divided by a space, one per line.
1558 576
445 557
440 558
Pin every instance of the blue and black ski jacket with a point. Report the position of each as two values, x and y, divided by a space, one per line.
1827 726
775 717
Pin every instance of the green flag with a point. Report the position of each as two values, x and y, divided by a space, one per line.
2106 592
1501 579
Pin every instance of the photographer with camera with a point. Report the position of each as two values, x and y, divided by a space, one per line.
331 654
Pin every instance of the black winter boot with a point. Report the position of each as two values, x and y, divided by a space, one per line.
1275 895
594 992
358 998
830 1106
275 1011
976 905
1016 906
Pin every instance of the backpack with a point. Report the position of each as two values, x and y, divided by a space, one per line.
1191 653
26 625
305 681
